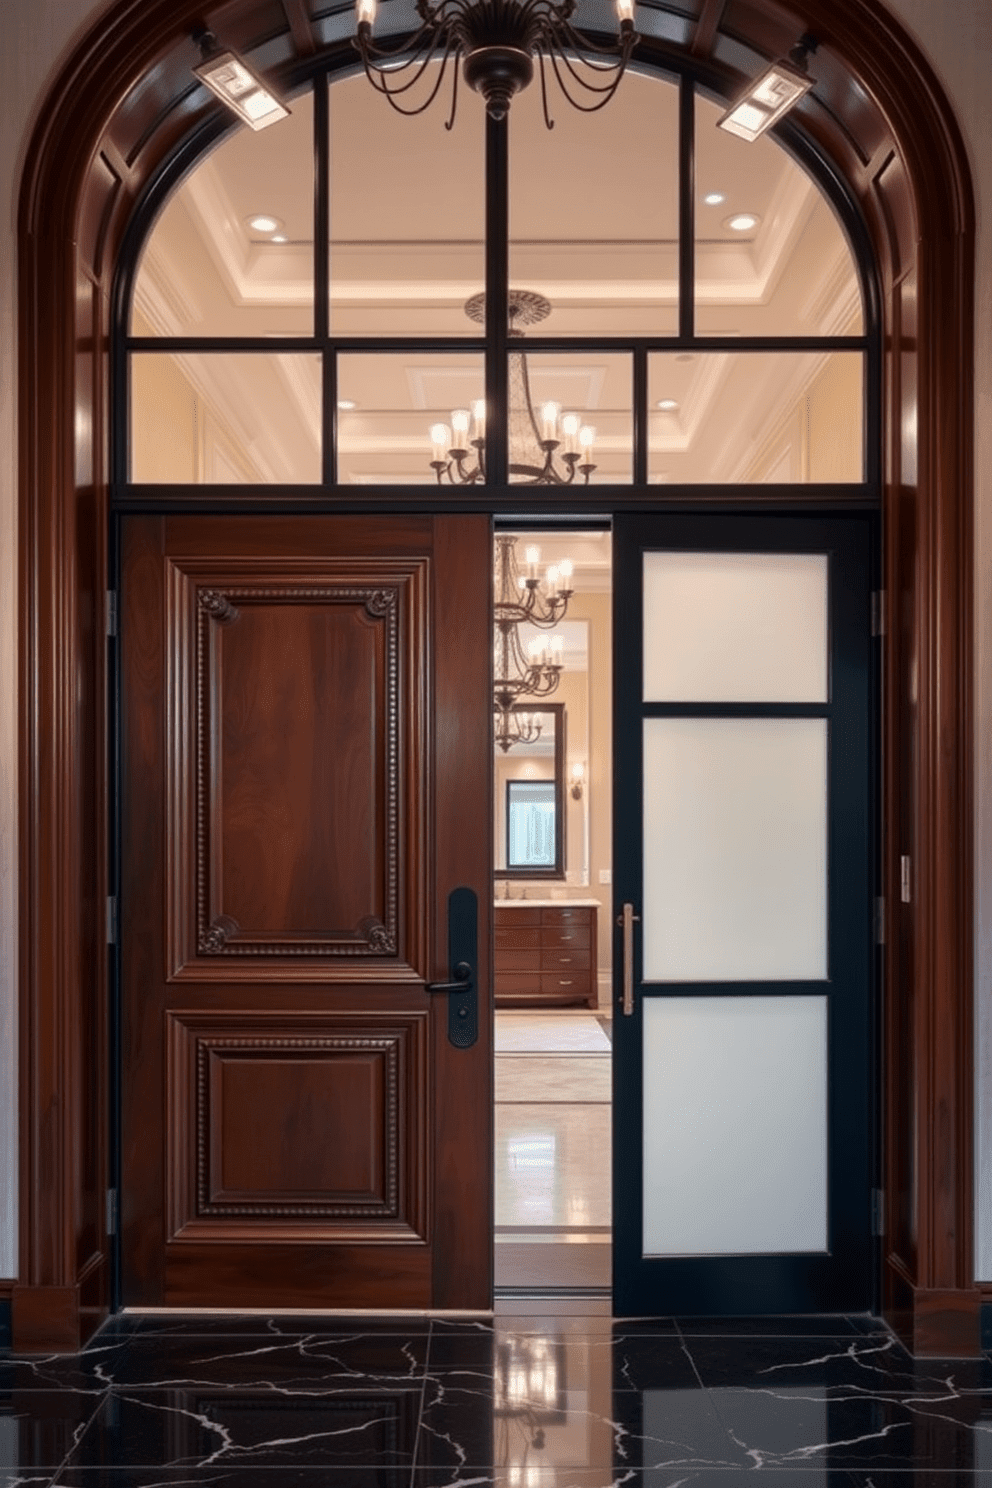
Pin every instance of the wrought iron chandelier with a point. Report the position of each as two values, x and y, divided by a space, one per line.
496 42
525 599
546 448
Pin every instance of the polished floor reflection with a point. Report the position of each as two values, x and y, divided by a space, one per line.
529 1399
553 1134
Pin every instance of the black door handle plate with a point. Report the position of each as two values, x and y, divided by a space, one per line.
463 934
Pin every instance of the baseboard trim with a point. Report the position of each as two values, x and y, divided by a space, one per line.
933 1322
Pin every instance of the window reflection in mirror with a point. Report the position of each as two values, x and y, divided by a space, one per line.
530 796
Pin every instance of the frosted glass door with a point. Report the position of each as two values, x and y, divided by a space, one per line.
735 849
743 844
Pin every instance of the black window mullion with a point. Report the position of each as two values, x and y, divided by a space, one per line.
642 417
687 209
321 211
322 280
329 417
497 301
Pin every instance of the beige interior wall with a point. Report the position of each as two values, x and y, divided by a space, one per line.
166 447
820 438
834 406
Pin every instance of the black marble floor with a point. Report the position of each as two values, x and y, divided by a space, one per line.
525 1401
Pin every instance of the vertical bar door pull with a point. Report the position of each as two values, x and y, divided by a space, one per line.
626 919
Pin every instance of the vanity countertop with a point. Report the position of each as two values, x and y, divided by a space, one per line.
550 903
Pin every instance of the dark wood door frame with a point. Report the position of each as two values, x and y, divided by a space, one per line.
878 114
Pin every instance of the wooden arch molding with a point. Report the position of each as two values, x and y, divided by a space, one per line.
121 104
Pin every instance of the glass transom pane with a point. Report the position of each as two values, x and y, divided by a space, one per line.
231 252
735 849
735 627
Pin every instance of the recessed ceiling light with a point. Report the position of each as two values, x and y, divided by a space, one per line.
346 405
742 221
714 198
263 223
667 405
279 238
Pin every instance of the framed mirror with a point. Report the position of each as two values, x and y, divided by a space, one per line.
530 797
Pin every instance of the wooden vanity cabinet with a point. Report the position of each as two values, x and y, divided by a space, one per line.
546 955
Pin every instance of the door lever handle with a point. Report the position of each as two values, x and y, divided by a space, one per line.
463 976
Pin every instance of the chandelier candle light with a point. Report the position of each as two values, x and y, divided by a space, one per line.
496 42
547 447
525 599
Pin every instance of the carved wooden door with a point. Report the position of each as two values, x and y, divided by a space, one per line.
306 768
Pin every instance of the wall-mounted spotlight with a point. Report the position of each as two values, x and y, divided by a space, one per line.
237 84
577 776
772 95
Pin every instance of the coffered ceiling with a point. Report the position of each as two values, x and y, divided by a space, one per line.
594 229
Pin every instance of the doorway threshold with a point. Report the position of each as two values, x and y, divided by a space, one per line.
553 1265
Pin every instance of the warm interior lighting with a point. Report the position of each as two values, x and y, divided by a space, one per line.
519 674
714 198
578 775
742 221
263 223
238 85
772 95
667 405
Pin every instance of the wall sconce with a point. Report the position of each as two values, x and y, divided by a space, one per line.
772 95
577 776
236 84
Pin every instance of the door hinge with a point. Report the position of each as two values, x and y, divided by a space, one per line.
111 919
111 612
905 892
878 612
877 1212
879 921
111 1211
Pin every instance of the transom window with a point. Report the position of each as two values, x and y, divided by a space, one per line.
319 305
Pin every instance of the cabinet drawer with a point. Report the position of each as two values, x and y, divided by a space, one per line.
560 986
508 917
518 983
576 936
566 959
565 916
528 960
517 940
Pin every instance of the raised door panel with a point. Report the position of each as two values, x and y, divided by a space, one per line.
298 839
279 1121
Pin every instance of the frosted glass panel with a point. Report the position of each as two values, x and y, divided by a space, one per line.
735 849
735 1125
735 627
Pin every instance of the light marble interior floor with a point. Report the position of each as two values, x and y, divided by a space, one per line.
553 1134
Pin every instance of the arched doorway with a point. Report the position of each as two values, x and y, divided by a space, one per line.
896 156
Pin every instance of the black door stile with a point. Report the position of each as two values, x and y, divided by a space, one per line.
841 1278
